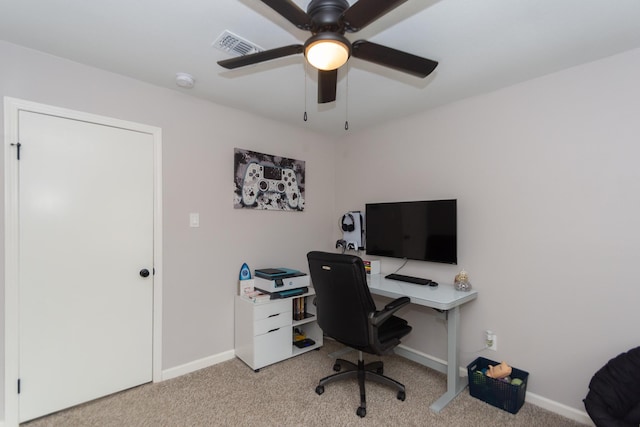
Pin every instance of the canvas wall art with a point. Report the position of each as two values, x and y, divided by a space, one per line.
268 182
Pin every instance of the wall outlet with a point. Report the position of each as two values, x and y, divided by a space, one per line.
494 345
491 340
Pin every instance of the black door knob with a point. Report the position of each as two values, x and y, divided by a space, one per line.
144 272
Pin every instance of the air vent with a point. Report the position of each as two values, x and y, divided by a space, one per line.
235 45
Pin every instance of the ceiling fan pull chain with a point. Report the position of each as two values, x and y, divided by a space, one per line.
304 73
346 104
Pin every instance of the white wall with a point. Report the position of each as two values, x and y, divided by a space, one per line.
548 185
201 265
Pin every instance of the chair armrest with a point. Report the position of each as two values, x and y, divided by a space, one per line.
397 303
380 317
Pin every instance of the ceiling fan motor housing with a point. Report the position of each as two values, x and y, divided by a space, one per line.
326 15
328 49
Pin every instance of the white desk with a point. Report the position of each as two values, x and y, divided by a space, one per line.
445 299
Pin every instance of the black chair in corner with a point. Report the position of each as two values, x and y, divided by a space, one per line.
347 313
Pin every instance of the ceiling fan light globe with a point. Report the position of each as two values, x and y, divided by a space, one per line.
327 53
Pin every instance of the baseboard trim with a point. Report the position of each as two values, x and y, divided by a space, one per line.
559 408
534 399
197 365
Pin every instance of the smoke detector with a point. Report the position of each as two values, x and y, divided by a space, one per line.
185 80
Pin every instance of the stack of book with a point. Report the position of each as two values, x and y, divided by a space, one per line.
299 308
371 267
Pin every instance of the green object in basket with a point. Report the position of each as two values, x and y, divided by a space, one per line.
516 381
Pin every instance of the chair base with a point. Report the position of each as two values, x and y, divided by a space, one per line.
372 371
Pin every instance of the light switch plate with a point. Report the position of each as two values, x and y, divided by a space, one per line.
194 219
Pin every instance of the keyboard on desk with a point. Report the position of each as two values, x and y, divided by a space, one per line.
408 279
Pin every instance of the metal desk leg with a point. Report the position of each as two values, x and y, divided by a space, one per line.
455 384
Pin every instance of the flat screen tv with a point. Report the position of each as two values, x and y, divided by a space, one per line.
422 230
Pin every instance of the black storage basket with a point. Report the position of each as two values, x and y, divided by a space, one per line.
495 392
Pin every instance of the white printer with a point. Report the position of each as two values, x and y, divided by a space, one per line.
276 280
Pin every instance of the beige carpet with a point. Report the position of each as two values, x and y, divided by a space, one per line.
231 394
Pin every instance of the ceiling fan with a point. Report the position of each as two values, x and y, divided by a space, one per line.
328 49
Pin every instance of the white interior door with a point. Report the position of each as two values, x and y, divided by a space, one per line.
86 195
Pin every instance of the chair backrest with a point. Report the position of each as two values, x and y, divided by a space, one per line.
343 300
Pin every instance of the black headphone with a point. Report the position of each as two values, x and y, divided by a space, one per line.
347 226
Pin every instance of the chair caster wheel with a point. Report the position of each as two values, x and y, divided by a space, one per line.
401 395
337 367
320 389
361 412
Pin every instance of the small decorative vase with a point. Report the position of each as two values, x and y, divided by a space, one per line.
461 282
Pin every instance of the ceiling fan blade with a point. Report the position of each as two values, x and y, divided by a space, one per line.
364 12
266 55
327 83
291 12
392 58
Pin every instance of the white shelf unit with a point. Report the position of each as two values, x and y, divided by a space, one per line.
264 330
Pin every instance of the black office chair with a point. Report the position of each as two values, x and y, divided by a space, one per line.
346 312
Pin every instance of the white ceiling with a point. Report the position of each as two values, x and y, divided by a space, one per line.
481 45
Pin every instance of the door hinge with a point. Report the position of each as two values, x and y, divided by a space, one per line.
18 145
18 385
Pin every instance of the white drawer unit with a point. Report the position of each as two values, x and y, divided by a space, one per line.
265 331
